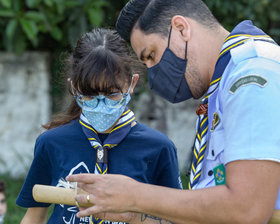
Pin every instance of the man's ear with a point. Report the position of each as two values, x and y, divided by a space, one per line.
135 79
181 24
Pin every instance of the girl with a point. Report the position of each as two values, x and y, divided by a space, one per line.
99 134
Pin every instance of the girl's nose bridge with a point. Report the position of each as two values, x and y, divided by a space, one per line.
100 97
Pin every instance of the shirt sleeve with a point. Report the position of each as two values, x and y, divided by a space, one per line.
168 171
39 173
251 112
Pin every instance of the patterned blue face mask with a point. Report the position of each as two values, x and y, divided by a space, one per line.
101 111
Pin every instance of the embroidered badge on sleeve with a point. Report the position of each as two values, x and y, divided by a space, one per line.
247 80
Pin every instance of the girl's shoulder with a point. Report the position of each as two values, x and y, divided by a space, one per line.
65 131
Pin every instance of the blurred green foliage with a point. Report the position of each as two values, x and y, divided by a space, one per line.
264 13
46 24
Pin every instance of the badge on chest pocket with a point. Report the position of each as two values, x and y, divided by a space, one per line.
215 121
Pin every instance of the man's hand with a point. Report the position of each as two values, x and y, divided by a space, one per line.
108 193
249 196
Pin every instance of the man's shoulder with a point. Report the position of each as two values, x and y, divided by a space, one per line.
253 49
256 62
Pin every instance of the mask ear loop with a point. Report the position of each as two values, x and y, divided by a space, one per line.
72 87
130 84
186 49
169 36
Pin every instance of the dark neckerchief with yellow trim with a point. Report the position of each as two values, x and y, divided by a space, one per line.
118 133
242 32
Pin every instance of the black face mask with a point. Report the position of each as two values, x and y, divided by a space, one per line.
167 78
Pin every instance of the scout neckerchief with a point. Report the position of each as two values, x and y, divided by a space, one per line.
118 133
243 32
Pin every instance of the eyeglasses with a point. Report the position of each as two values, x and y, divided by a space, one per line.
114 100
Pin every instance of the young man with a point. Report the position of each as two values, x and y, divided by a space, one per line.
235 169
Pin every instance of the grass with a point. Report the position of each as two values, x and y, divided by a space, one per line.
185 181
14 212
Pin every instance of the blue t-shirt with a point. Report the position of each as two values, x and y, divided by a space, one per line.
145 155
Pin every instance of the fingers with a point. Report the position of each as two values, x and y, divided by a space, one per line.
84 199
86 178
88 211
91 187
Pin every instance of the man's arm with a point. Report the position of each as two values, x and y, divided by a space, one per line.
152 219
249 196
132 218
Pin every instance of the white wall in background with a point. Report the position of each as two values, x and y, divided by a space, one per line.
24 106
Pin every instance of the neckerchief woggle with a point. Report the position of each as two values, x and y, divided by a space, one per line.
117 134
241 33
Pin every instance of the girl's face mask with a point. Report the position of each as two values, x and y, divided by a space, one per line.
102 112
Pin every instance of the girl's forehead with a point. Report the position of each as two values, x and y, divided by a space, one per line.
103 85
105 82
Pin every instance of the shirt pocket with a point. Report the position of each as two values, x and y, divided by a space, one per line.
214 158
216 146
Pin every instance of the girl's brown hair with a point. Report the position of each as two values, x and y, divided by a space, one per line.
101 62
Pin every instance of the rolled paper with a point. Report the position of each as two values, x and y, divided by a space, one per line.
57 195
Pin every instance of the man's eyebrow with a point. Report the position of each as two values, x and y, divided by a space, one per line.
142 57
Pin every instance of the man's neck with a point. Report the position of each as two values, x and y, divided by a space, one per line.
216 41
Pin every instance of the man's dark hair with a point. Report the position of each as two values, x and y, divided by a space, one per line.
154 16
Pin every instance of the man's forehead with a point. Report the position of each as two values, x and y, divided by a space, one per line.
142 42
137 40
